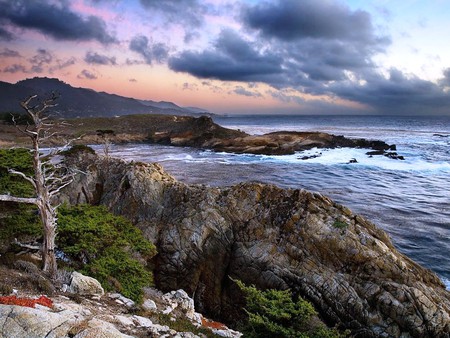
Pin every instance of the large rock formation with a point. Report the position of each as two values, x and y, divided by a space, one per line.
274 238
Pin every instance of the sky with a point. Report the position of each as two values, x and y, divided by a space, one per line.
388 57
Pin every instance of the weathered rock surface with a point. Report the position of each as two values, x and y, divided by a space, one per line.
274 238
85 285
18 321
89 318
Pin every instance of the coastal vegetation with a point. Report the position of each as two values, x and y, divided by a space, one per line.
106 247
275 313
91 239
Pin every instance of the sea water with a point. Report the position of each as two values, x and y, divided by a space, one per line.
409 199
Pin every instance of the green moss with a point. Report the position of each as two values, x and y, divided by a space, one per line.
106 245
340 224
275 313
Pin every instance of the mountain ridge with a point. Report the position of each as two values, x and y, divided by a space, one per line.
85 102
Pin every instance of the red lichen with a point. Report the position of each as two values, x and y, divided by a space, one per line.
28 302
212 324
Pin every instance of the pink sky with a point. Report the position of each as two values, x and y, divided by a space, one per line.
227 57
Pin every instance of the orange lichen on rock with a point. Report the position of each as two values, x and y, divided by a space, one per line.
29 302
212 324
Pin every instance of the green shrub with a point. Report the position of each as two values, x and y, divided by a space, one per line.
106 244
17 219
78 148
274 313
19 159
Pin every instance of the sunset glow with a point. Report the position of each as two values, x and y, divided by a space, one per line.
278 56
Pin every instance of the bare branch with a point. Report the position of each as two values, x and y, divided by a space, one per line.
54 192
26 246
25 103
9 198
21 174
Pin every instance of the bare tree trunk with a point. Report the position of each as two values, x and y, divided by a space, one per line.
47 181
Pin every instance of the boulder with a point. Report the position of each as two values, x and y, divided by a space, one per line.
85 285
180 299
149 305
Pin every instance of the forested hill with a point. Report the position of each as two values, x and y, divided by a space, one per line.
83 102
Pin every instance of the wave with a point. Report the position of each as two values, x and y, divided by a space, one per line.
446 282
348 156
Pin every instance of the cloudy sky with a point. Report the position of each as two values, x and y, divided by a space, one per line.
239 56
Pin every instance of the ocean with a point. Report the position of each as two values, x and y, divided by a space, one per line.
409 199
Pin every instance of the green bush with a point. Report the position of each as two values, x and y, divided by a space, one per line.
106 245
19 159
274 313
17 219
76 149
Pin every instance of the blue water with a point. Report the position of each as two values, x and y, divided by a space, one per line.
409 199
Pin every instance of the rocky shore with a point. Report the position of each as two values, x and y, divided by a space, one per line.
273 238
201 132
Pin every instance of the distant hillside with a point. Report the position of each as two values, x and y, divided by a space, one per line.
170 105
82 102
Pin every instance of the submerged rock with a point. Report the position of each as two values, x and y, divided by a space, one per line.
273 238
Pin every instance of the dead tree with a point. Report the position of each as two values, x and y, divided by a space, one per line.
49 178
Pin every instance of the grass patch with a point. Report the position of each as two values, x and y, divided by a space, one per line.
184 325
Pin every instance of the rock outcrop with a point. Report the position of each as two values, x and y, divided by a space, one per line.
273 238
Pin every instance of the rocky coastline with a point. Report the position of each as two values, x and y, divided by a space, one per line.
199 132
273 238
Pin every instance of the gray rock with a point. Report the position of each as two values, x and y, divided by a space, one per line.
100 329
149 305
180 299
85 285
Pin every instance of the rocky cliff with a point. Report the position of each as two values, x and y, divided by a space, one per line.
273 238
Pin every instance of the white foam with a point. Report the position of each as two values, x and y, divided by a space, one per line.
446 282
342 156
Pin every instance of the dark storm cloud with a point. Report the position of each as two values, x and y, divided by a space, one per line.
151 52
86 74
95 58
445 81
291 20
397 94
315 43
15 68
41 59
232 58
4 34
57 21
184 11
317 48
239 90
61 64
8 53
